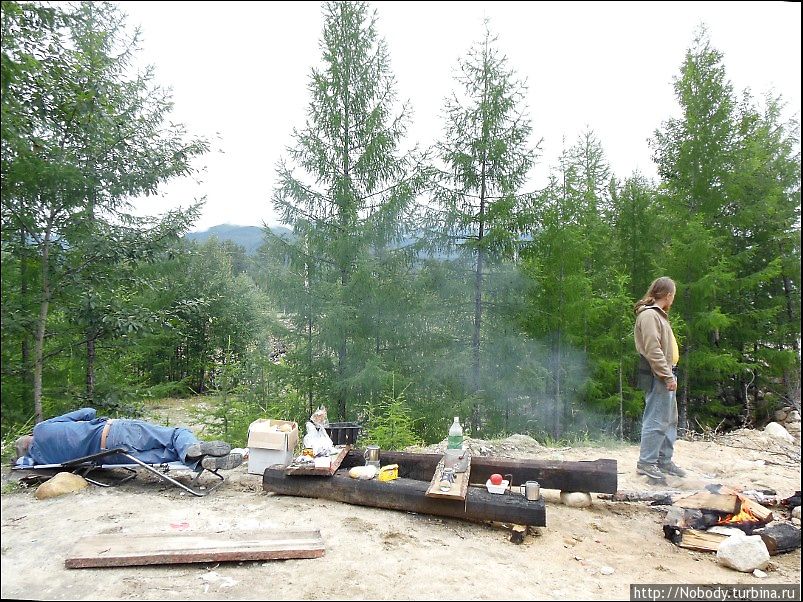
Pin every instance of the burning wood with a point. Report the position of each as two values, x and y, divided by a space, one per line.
690 516
743 517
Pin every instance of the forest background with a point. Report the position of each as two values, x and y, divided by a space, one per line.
411 285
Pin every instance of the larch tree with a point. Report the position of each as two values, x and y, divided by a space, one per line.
486 157
345 188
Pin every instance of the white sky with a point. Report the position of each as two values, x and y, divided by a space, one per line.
241 69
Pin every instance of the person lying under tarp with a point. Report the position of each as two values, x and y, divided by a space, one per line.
81 433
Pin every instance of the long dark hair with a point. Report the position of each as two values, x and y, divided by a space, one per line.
659 289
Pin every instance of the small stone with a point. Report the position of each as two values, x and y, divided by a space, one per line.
796 512
796 522
760 574
607 570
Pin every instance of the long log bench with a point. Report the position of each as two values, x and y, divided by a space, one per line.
588 476
407 495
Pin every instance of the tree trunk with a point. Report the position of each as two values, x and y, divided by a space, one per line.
621 404
310 400
90 364
344 222
478 277
27 376
41 323
683 399
557 428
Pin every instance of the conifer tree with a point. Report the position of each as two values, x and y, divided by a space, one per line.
345 188
486 160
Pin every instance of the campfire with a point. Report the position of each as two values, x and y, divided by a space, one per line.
744 519
698 521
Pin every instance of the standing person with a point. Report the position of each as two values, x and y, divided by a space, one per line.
80 434
659 353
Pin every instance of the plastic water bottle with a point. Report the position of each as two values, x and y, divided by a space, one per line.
454 445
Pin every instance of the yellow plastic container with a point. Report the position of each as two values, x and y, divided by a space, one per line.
388 473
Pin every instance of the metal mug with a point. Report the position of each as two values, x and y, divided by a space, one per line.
532 490
371 455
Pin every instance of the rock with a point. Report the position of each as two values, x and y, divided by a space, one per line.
575 499
63 482
744 554
794 416
607 570
760 574
781 415
796 522
796 512
776 430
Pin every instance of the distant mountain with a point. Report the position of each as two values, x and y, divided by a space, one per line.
249 237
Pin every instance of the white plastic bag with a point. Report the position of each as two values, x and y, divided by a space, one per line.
317 439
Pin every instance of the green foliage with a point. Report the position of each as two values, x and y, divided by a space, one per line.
512 309
389 423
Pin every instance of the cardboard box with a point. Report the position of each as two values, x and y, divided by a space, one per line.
268 446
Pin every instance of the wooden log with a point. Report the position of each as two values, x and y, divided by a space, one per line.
517 533
702 541
133 550
408 495
725 503
594 475
657 498
780 538
764 515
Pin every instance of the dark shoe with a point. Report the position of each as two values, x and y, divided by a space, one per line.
208 448
672 469
226 462
650 470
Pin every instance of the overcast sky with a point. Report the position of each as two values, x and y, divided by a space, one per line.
239 73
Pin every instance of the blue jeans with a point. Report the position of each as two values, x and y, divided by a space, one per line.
659 427
150 443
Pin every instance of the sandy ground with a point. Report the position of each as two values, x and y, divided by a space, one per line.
383 554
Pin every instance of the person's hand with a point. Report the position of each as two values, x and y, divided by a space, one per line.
672 385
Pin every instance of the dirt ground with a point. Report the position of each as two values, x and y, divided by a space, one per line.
383 554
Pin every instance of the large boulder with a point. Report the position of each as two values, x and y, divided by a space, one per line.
63 482
744 554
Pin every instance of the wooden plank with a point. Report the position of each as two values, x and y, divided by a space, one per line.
596 475
726 503
459 488
133 550
408 495
299 470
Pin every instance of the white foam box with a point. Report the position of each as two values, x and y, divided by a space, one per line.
267 446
